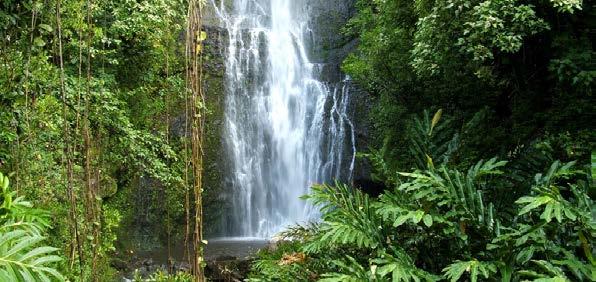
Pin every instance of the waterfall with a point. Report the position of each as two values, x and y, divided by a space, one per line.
285 129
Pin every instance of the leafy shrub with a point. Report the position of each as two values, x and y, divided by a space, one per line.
445 223
162 276
287 262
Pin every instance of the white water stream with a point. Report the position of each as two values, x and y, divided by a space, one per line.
284 128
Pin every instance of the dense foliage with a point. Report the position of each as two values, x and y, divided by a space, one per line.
494 186
89 91
526 66
491 221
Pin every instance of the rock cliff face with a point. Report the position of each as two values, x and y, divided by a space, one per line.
214 72
328 47
147 229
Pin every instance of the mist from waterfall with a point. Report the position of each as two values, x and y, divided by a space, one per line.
285 129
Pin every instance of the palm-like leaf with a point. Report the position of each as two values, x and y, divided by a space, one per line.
23 257
401 267
349 218
351 271
431 195
432 139
475 268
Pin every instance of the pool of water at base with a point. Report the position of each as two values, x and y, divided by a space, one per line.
216 248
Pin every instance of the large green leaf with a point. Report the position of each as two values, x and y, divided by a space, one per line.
23 257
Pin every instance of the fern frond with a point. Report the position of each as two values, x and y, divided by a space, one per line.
475 268
581 270
433 137
348 218
393 210
400 267
351 271
430 195
548 195
300 232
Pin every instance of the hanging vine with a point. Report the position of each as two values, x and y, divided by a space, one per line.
91 173
75 246
194 72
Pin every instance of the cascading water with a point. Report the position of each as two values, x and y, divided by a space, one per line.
285 129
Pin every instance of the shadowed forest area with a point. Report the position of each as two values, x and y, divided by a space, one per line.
297 140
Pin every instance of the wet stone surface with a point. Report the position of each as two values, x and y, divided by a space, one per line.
228 259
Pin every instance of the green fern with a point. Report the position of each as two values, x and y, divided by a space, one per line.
432 195
381 170
475 268
580 270
548 194
433 138
351 271
440 222
163 276
271 265
348 218
300 232
398 267
401 267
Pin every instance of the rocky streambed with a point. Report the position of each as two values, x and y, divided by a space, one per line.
228 259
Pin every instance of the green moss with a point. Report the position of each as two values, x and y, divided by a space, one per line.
212 178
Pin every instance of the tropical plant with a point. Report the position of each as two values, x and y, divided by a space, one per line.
442 223
23 257
349 217
163 276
